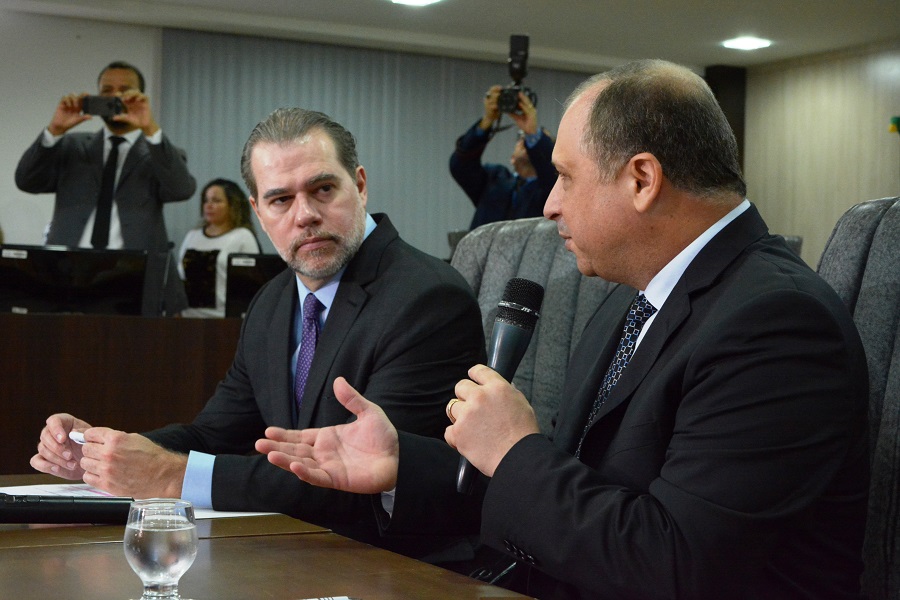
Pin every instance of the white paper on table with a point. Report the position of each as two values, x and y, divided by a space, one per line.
87 491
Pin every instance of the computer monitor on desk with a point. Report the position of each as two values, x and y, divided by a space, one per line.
58 279
246 274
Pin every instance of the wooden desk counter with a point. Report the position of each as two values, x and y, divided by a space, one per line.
15 535
285 566
34 536
270 556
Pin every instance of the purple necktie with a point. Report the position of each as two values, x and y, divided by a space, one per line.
310 337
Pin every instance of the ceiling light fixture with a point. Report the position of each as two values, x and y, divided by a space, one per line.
747 42
415 2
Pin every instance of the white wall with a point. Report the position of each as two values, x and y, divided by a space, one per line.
405 110
817 139
45 58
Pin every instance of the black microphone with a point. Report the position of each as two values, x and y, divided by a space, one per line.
516 318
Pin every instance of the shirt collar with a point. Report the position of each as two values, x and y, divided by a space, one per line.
663 283
130 137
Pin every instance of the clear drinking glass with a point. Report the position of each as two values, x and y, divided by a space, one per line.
160 544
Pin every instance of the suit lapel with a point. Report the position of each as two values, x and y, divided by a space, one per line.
136 155
676 310
588 364
278 352
93 148
349 301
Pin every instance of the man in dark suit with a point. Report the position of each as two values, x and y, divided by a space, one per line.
498 193
395 321
711 436
151 171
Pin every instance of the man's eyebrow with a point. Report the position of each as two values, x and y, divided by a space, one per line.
317 179
311 182
274 192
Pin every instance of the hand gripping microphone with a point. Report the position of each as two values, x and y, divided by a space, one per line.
516 318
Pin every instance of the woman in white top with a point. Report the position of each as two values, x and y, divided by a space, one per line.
226 228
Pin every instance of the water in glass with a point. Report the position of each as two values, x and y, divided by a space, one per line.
160 544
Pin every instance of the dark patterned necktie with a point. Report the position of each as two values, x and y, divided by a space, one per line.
310 337
640 311
100 235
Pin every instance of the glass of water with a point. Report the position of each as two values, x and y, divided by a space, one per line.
160 544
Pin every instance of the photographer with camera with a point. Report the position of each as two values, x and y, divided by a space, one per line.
111 185
498 193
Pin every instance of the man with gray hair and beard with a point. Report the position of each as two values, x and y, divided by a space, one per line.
356 302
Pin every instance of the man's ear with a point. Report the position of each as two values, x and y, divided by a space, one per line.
646 176
361 184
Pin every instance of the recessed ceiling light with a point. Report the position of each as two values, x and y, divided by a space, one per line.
747 42
415 2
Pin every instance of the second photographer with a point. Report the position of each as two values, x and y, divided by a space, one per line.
498 193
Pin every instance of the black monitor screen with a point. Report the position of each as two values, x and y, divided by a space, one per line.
57 279
246 274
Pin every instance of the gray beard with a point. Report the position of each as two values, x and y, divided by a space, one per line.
347 247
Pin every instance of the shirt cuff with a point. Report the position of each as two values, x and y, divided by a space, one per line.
49 140
156 138
387 501
531 139
197 486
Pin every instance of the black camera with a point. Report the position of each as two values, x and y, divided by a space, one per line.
102 106
508 100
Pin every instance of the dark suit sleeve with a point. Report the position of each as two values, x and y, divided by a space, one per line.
38 169
169 166
465 163
769 412
541 155
426 501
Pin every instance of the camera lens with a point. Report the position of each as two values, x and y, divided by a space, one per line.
508 100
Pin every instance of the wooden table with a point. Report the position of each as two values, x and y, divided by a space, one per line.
258 557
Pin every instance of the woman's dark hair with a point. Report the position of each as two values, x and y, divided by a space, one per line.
238 205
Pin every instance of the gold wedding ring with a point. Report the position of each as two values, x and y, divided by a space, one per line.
450 410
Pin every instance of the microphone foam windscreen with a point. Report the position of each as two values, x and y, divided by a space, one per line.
521 303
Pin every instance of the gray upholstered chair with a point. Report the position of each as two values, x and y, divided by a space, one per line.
491 255
862 262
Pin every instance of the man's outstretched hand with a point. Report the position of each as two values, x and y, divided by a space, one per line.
361 457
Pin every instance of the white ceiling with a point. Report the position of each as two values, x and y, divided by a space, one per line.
580 35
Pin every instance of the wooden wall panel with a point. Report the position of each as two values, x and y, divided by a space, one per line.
129 373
